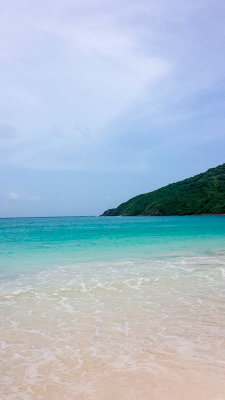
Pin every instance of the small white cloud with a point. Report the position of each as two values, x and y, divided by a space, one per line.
15 196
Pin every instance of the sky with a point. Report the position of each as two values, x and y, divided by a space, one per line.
102 100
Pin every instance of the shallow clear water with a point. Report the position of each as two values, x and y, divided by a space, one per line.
105 308
38 242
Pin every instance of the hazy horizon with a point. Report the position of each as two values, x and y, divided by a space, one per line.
102 101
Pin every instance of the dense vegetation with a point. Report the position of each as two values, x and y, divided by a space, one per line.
201 194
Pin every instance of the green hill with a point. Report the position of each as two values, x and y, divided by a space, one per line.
201 194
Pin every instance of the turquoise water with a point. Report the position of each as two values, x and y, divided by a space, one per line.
27 243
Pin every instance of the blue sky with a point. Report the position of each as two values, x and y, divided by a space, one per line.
103 100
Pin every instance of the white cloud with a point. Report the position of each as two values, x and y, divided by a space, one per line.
15 197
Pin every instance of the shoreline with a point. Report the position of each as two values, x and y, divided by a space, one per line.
142 331
98 216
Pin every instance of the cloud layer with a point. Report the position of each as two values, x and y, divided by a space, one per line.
111 85
67 74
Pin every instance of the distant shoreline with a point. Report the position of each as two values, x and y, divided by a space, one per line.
174 215
130 216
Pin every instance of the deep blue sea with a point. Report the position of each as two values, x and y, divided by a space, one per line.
104 308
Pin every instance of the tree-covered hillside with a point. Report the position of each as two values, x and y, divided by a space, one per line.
201 194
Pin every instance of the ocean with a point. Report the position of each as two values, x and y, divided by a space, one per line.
95 308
